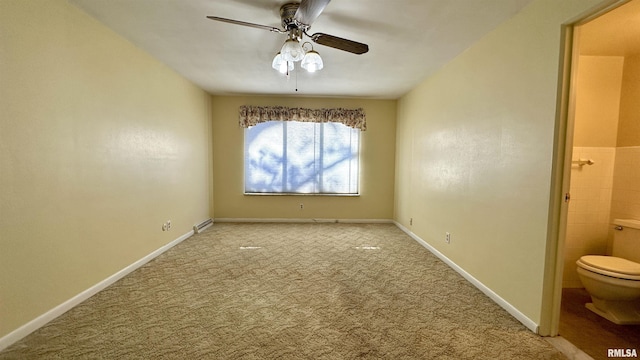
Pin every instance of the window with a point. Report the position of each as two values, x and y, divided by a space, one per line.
294 157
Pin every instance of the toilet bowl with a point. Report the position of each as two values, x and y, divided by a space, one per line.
614 281
614 286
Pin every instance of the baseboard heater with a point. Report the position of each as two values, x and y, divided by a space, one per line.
202 226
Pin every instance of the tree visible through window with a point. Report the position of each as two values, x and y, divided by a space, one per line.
301 158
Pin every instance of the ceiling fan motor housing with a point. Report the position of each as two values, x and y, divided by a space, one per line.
287 14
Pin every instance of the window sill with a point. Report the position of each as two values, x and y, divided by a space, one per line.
299 194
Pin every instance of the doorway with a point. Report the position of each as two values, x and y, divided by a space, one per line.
602 137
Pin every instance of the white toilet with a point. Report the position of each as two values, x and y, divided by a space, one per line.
614 281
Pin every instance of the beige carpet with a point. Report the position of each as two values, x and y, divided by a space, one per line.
288 291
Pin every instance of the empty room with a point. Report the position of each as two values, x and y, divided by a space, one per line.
315 179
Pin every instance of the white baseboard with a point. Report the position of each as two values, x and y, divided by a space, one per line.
530 324
45 318
303 220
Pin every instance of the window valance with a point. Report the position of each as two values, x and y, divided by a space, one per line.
253 115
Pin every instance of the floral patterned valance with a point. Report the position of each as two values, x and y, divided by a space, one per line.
253 115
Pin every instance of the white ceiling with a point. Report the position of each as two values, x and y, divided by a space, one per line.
408 41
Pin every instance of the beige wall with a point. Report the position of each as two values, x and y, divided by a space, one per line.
629 126
626 182
99 145
598 84
474 153
376 164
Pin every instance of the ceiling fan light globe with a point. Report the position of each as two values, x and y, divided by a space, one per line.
292 50
280 64
277 61
312 62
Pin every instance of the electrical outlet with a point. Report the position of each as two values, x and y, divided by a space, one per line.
411 221
166 226
447 238
301 206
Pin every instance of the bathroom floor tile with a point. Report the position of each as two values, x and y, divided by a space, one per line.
591 333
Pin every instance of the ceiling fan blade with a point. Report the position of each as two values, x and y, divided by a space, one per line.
340 43
309 10
244 23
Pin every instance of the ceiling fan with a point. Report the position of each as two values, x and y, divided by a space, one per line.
296 21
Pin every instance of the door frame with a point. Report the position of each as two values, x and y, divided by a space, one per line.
561 167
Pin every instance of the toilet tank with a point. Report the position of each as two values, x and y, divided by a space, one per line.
626 239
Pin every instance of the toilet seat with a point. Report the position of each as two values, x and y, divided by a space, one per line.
611 266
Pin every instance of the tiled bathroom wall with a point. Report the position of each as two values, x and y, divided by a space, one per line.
626 184
607 190
588 221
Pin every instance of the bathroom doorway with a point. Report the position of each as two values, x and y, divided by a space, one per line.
604 133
